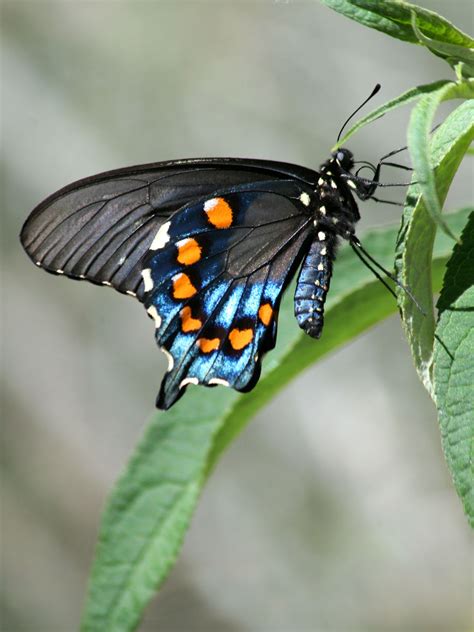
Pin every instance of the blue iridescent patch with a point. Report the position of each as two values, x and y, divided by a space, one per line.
214 284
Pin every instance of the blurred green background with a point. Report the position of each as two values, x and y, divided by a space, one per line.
334 510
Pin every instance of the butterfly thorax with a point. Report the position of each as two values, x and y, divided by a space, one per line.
337 209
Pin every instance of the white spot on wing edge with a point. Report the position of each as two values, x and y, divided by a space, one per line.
219 381
147 280
321 181
169 357
321 236
153 312
210 204
351 184
324 251
188 380
130 293
320 267
59 271
161 238
305 199
107 283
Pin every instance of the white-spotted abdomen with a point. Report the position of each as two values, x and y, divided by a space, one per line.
313 284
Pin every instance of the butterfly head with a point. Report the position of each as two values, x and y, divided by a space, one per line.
340 166
340 163
343 159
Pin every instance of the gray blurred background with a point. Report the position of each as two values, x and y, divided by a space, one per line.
334 510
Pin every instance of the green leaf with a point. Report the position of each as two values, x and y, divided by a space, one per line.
421 122
371 18
149 511
452 53
152 504
417 235
393 17
453 373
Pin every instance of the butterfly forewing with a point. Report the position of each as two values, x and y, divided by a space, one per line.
99 228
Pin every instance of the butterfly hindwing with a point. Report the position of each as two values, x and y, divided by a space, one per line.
213 278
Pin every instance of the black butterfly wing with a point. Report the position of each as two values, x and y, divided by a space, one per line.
214 276
99 228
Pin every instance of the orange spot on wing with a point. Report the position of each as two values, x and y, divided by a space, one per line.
189 251
240 338
208 344
265 313
219 213
182 287
188 323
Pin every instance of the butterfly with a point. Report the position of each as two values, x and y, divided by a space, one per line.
208 246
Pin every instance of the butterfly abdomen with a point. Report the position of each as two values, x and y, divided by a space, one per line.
313 283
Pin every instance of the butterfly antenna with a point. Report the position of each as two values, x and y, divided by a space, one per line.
365 257
372 94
